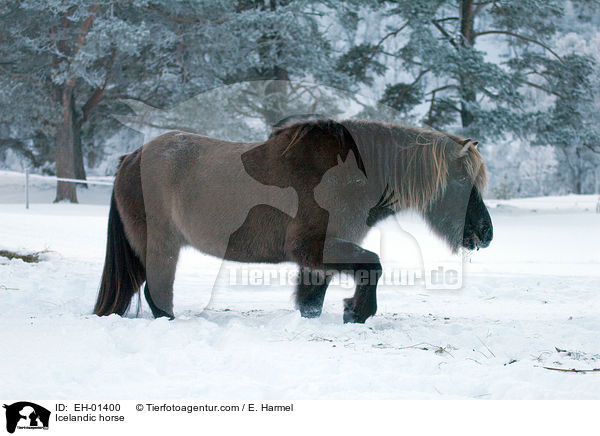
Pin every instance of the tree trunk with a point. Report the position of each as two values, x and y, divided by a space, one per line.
579 173
65 148
275 108
275 104
78 155
576 174
468 94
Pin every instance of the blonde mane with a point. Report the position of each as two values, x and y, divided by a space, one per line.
415 162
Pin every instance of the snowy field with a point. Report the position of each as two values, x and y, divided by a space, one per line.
529 302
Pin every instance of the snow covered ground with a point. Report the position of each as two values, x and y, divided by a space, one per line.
529 301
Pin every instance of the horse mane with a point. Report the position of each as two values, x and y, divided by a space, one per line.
414 161
299 129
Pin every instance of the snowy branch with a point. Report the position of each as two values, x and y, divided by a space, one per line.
522 37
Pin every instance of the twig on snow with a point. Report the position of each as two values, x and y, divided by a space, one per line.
572 369
6 288
488 348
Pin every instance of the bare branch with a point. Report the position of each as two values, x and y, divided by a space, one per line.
410 86
446 19
592 147
430 111
10 73
96 96
446 34
479 7
83 32
168 126
132 98
442 88
546 90
522 37
382 40
20 147
187 19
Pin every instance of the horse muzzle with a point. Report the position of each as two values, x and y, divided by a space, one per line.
477 239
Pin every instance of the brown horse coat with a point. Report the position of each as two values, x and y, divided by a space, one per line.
306 195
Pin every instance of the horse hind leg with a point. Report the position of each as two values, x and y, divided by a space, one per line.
157 312
153 240
162 254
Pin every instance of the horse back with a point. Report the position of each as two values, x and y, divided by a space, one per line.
197 189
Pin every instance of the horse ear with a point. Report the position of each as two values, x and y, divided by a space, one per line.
463 150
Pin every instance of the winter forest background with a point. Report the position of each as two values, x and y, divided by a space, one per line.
520 76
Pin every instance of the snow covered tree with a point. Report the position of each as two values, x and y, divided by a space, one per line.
572 124
65 58
569 126
448 47
66 63
277 41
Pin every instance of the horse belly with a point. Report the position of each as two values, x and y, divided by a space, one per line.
227 209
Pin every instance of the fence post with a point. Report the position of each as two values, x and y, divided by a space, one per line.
598 189
26 188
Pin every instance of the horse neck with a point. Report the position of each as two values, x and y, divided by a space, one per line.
379 164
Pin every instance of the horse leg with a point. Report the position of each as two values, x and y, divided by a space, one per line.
157 312
161 262
364 265
310 291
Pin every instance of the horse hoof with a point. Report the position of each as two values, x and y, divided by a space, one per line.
358 314
349 311
157 313
310 312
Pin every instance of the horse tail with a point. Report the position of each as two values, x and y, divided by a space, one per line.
123 272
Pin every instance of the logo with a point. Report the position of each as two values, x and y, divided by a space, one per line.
26 415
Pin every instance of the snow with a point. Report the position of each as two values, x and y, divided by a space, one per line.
533 291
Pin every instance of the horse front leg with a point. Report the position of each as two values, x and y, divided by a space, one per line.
365 267
310 291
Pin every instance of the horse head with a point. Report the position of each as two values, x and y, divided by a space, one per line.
459 214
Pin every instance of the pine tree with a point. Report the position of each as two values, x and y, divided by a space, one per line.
66 58
443 48
67 64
